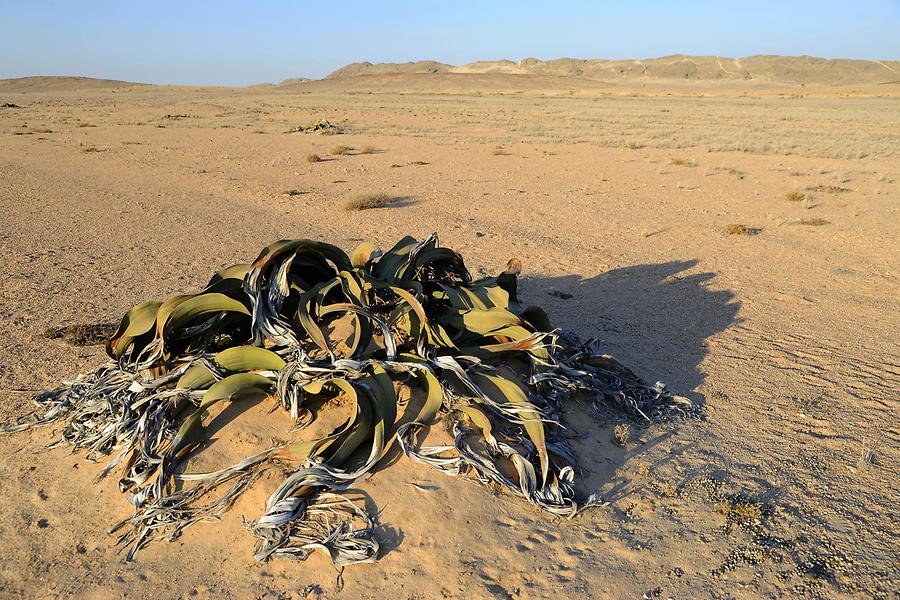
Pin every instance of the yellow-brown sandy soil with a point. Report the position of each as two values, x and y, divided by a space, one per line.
618 197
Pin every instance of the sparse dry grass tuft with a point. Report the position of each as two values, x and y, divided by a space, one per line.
828 189
740 229
91 149
813 222
682 162
499 151
341 150
620 435
90 334
313 158
291 193
367 201
795 196
731 171
368 150
740 510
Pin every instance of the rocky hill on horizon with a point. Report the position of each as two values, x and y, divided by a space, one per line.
788 70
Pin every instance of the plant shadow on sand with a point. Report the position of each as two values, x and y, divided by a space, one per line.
650 317
655 319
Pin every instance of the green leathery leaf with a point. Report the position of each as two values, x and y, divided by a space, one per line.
388 395
227 277
137 321
240 386
485 297
248 358
300 451
478 322
392 264
166 309
434 397
510 392
305 315
359 429
237 359
197 377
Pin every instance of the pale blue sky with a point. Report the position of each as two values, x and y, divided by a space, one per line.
237 43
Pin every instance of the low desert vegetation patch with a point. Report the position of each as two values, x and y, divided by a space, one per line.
621 433
795 196
313 158
817 222
320 126
292 193
499 151
731 171
828 189
740 229
91 334
368 200
682 162
368 150
341 150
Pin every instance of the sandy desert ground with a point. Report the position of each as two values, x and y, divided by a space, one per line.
617 199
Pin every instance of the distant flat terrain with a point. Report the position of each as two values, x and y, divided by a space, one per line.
735 239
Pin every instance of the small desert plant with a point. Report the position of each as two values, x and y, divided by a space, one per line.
341 150
367 150
291 193
313 158
795 196
367 201
829 189
90 149
92 334
813 222
740 229
682 162
620 434
731 171
498 151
